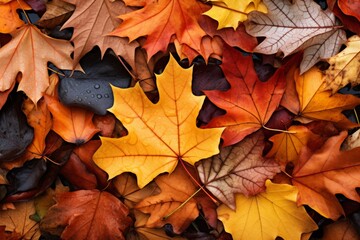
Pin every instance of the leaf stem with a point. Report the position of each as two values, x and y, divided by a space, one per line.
126 68
197 183
278 130
356 116
54 71
26 16
181 205
284 172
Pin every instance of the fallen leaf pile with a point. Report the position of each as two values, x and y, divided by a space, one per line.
179 119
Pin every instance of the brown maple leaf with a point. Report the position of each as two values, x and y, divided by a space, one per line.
92 21
87 214
239 168
29 52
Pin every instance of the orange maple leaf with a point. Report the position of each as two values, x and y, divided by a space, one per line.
160 20
9 18
29 52
326 172
73 124
161 134
176 188
249 103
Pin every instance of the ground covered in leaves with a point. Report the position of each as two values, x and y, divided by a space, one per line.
179 119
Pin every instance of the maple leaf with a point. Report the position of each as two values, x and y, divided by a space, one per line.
73 124
249 102
350 8
267 215
228 13
318 103
100 18
326 172
171 17
18 221
9 18
345 66
160 134
287 145
291 27
176 188
87 214
29 52
239 168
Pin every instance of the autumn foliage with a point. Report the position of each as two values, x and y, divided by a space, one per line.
179 119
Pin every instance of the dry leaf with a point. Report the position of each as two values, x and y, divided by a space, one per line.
249 103
87 214
29 52
345 66
73 124
326 172
171 17
228 13
92 21
301 25
239 168
18 221
9 18
267 215
152 148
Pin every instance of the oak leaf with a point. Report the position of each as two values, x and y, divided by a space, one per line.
301 25
73 124
239 168
92 21
326 172
318 103
87 214
249 103
228 13
18 221
287 145
159 134
29 52
9 18
267 215
345 66
171 17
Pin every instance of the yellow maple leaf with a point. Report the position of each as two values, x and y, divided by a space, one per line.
160 134
228 13
345 66
268 215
